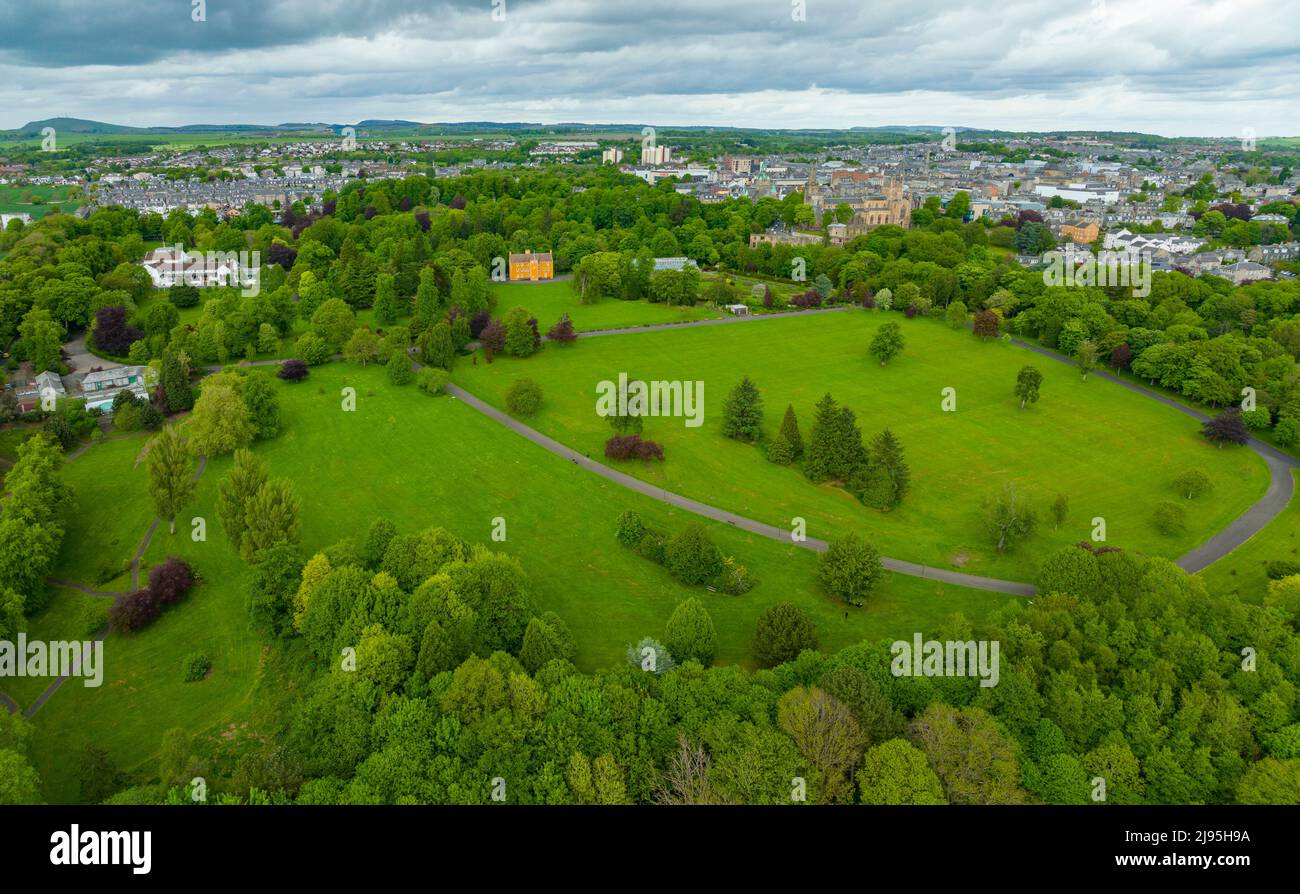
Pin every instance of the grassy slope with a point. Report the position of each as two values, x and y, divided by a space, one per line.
1242 571
421 461
1111 451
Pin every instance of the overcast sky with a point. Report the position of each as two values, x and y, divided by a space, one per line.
1175 67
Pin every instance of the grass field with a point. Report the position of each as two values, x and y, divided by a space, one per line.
11 200
1242 571
548 300
1112 452
420 461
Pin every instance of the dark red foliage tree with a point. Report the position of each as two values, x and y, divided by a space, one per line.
910 311
113 334
327 208
478 323
537 335
633 447
134 611
986 324
458 202
493 336
404 203
1121 356
1230 210
1026 216
281 254
169 580
293 370
422 218
1227 427
562 331
809 298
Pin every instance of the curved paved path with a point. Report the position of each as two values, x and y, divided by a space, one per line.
685 324
1280 486
1280 465
779 534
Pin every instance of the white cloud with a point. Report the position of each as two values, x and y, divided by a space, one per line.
1168 66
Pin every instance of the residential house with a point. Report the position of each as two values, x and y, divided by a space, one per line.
531 266
1080 230
1244 272
100 387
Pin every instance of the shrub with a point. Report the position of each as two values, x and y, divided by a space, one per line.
399 368
1287 431
735 579
690 633
1193 483
850 568
1169 518
1280 568
170 580
478 323
650 655
779 450
293 370
312 348
782 632
184 295
562 331
1258 418
524 398
633 447
1227 427
630 528
92 616
493 336
432 379
691 555
133 611
195 667
652 546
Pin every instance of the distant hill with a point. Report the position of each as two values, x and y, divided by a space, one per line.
400 126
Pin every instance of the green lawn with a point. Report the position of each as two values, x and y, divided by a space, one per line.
1242 571
1111 451
111 515
548 300
420 461
54 199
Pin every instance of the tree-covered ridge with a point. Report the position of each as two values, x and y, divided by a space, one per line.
438 685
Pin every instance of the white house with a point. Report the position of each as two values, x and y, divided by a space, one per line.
169 265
